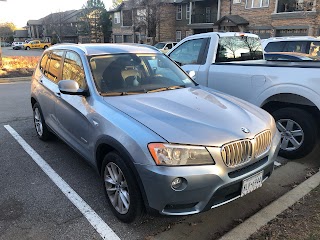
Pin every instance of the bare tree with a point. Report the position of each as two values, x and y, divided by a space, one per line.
231 44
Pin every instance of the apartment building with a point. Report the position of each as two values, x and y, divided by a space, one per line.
180 18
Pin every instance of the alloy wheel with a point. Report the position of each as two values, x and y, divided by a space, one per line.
117 188
292 135
38 121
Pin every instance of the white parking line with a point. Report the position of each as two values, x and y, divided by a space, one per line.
99 225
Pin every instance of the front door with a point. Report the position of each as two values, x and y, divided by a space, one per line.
72 110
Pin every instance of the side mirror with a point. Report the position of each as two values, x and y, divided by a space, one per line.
71 87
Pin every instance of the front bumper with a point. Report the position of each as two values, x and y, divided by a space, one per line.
207 186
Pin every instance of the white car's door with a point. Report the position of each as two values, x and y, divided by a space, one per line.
191 55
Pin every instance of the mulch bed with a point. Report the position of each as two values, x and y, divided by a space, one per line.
299 222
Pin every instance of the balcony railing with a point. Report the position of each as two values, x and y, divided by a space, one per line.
202 18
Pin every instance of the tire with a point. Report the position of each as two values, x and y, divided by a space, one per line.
27 48
130 207
40 126
298 132
45 47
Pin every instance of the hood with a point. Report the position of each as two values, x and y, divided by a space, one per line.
196 116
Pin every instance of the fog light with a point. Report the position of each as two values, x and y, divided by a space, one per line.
176 183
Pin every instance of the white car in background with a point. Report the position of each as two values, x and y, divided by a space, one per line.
165 46
304 44
17 45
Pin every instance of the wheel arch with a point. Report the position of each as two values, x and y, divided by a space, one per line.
33 101
282 100
107 144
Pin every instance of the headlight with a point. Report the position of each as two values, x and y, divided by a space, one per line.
179 155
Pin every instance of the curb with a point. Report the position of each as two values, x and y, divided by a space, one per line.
16 79
261 218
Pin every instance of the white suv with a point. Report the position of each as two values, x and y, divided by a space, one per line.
307 45
17 45
165 46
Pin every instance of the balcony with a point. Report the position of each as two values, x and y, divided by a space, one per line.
203 18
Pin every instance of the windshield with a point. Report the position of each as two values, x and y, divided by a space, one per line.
239 48
123 74
159 45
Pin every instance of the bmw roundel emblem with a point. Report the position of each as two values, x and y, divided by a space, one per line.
245 130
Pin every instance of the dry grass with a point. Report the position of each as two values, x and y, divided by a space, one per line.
18 66
10 63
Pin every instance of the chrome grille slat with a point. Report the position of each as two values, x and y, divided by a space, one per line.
242 151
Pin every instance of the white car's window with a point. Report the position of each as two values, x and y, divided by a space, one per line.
239 48
188 52
296 46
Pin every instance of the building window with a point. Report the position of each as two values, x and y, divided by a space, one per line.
179 12
187 11
236 1
188 33
257 3
178 36
116 17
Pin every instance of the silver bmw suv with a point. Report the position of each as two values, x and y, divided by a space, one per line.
159 140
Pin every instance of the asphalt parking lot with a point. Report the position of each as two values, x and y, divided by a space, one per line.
32 206
8 51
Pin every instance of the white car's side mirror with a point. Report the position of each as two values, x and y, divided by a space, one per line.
192 74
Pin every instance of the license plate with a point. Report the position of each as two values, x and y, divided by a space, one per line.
251 183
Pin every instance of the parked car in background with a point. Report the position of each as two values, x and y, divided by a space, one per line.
306 45
234 63
17 45
165 46
36 44
5 44
159 140
290 56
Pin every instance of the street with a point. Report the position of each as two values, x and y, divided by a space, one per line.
8 51
33 207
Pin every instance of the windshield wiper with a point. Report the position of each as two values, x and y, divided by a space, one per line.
166 88
120 93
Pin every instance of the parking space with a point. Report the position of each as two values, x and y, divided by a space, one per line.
32 206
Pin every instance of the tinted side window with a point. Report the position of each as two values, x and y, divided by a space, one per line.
275 47
54 66
189 52
43 62
73 69
296 47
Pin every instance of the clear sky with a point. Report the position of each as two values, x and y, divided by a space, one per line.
20 11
